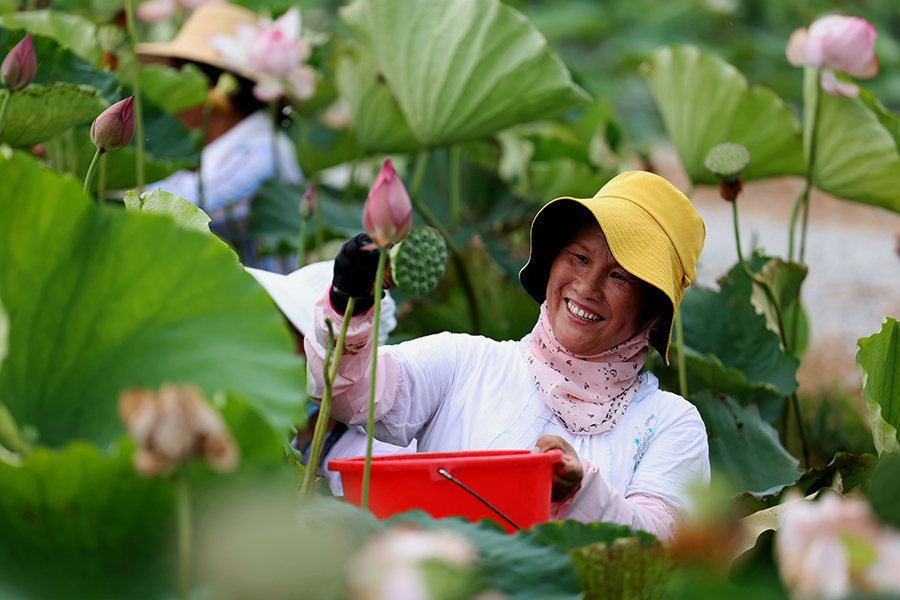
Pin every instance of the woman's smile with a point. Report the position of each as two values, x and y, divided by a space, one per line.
581 313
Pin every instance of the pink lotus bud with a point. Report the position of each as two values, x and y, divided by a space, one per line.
114 128
20 65
836 43
845 44
387 215
309 201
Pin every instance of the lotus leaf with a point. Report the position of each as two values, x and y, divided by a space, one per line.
461 69
375 117
856 146
705 101
70 31
175 90
102 300
158 202
38 113
878 360
56 64
744 448
87 519
523 566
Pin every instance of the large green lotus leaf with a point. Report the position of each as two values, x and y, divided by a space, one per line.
878 360
726 327
38 113
375 117
174 90
71 31
101 300
462 69
58 64
856 154
523 566
158 202
745 448
884 488
78 524
705 101
566 177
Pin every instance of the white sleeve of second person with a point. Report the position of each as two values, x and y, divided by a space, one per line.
235 166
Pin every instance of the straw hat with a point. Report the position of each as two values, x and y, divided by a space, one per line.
651 228
192 41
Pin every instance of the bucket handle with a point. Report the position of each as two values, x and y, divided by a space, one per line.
479 498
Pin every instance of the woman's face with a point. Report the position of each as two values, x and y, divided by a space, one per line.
594 304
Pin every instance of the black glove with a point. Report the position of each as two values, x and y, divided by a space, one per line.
354 275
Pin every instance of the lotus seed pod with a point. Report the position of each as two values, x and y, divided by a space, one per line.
727 161
418 263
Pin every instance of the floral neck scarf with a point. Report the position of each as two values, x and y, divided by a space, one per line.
588 394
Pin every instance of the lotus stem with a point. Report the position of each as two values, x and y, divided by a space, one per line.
101 182
332 358
204 131
455 185
274 111
320 232
370 422
183 508
810 169
760 281
301 242
136 87
3 110
89 177
455 256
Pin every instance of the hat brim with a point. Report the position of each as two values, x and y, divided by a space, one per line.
192 54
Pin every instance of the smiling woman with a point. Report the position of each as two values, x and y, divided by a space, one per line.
609 273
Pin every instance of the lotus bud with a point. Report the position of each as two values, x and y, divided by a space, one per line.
114 128
20 65
387 214
309 201
836 43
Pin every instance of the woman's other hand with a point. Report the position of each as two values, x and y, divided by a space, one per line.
567 475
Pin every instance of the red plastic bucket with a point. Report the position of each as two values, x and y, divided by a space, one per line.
515 482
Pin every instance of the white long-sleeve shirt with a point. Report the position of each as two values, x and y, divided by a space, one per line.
234 167
459 392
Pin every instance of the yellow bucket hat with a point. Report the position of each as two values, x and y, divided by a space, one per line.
651 228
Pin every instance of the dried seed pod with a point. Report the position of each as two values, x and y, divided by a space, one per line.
174 425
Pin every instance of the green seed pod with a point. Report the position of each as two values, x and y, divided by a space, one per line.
418 262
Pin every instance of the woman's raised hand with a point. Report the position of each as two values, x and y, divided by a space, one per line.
567 475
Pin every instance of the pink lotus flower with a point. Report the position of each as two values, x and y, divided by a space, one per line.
276 52
835 43
114 128
830 548
387 214
20 65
